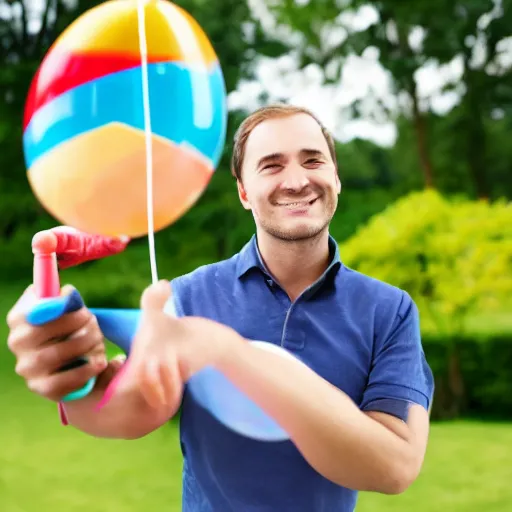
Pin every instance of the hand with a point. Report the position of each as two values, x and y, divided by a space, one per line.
167 351
46 355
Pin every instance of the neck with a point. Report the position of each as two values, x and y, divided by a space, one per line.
295 265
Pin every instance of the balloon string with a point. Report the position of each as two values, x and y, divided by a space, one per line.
148 136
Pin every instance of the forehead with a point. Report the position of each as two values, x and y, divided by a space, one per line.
287 134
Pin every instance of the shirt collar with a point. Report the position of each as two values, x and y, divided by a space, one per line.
250 258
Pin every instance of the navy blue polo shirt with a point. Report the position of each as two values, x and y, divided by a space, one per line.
358 333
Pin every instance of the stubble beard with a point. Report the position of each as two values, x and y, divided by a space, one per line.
304 232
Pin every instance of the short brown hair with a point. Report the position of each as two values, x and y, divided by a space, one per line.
260 115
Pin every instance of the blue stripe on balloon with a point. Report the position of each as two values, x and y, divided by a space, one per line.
187 106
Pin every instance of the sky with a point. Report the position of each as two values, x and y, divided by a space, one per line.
363 78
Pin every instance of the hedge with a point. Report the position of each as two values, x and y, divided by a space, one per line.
473 376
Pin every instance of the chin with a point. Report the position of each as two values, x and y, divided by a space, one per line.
304 231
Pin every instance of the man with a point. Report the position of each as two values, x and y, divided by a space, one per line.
356 412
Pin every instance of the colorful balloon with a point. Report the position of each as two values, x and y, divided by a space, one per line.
83 133
85 151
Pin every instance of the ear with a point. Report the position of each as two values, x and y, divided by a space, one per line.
242 194
338 182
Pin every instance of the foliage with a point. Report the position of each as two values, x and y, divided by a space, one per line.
485 372
407 38
453 256
24 45
477 32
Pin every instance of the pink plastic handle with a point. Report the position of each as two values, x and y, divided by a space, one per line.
46 275
46 271
46 283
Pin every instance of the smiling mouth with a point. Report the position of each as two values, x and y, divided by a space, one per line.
298 204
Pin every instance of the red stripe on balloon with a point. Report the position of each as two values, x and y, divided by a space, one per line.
61 72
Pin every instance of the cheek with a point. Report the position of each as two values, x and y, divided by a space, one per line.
325 182
263 192
258 197
332 181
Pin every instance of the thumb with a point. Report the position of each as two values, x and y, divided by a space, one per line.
156 296
67 289
118 361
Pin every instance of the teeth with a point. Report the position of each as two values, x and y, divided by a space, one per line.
293 205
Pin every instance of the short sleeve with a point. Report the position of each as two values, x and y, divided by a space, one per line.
400 375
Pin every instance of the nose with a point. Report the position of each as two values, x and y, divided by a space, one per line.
295 178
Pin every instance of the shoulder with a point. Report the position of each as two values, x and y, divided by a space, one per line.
203 283
389 305
374 290
206 275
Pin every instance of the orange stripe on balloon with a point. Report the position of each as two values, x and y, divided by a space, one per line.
106 191
61 72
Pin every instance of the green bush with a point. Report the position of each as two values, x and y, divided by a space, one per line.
482 385
453 256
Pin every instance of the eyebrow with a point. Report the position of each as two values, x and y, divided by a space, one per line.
311 152
270 158
280 156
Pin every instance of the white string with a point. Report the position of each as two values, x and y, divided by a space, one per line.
148 137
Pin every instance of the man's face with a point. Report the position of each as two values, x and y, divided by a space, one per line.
289 179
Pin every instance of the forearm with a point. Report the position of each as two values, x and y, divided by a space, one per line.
335 437
126 416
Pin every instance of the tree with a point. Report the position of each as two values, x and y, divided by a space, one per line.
477 31
408 36
24 42
390 35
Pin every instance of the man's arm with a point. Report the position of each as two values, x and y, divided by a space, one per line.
126 416
367 450
370 451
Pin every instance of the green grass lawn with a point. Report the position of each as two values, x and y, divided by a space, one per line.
467 469
48 468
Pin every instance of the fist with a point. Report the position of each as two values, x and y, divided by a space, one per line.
60 356
166 351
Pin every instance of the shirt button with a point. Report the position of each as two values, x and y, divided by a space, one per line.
270 282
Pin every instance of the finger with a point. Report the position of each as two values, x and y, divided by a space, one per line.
171 381
118 361
47 310
25 302
28 302
28 337
112 386
150 381
58 385
67 289
96 357
156 296
85 345
41 364
113 368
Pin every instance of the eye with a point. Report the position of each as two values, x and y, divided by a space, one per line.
313 161
270 167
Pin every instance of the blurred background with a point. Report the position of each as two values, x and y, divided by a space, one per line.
418 95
